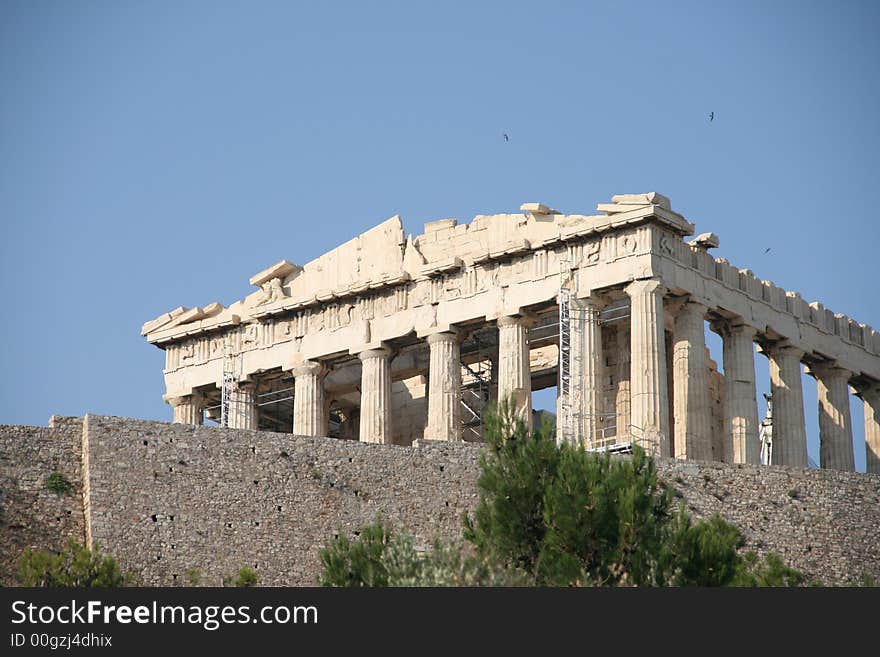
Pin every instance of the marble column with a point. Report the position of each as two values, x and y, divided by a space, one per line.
690 376
187 409
243 407
309 405
669 341
587 368
514 372
871 400
786 389
444 387
375 417
741 403
649 408
835 423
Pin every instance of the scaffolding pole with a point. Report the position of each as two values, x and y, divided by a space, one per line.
572 422
229 381
475 395
566 431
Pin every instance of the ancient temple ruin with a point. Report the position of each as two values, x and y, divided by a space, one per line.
390 338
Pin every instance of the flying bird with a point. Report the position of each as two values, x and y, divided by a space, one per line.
506 138
711 116
767 250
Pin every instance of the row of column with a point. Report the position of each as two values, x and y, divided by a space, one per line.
692 424
444 389
689 428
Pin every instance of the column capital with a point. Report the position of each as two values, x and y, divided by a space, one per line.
187 408
182 400
786 350
830 371
645 286
691 305
735 327
444 336
515 320
307 367
868 392
381 352
592 299
738 327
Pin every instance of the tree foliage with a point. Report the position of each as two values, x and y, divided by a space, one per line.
379 556
772 571
557 515
75 566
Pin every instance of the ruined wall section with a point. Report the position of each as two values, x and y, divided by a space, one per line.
31 516
169 498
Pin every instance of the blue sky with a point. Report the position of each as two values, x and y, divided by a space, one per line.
159 154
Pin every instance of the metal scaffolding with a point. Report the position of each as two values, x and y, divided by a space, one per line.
475 397
476 385
595 430
765 434
231 373
568 423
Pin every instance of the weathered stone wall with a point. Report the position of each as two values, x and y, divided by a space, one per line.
825 523
166 499
30 515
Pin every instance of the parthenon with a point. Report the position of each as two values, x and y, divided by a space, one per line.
389 339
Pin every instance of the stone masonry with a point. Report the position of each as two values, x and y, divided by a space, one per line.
31 516
166 499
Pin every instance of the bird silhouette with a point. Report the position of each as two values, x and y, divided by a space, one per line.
506 138
711 116
767 250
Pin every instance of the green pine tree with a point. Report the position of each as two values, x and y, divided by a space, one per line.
552 515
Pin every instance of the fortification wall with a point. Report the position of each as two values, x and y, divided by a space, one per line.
825 523
167 499
31 516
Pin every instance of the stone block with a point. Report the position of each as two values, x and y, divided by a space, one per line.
817 314
797 306
829 324
750 284
704 262
651 198
726 273
705 241
162 320
441 224
775 296
865 338
537 208
281 269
